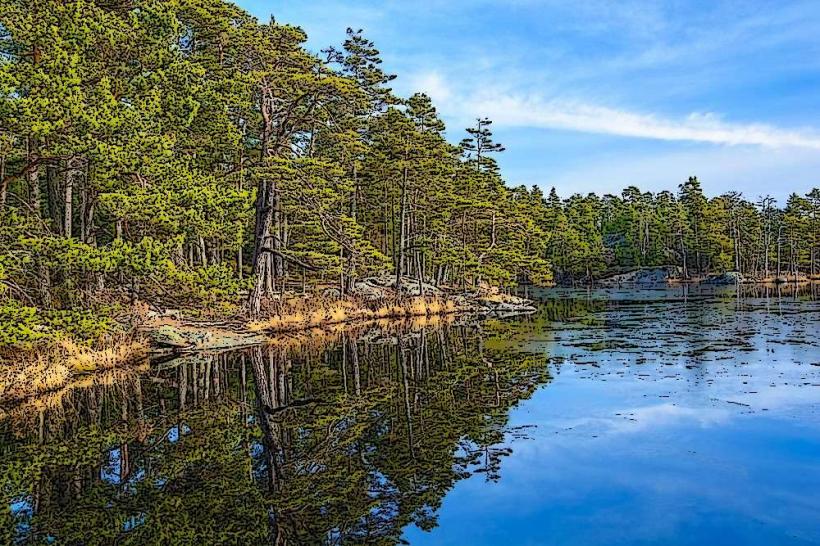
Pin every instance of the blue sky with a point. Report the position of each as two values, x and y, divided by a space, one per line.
596 95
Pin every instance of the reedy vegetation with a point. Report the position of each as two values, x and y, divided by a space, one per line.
183 153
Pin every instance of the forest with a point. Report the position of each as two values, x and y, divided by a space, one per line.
185 154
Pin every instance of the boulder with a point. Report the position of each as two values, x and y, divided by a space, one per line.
331 293
370 289
168 336
383 287
503 304
644 276
206 338
728 278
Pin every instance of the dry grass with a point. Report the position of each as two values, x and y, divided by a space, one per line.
80 358
301 314
50 369
31 376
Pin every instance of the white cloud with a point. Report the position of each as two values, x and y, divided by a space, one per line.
433 85
517 111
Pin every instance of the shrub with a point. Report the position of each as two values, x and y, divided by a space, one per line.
19 325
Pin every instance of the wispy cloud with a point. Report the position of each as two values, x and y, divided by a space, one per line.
433 84
748 169
573 115
605 93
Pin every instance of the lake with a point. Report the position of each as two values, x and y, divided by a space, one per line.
682 415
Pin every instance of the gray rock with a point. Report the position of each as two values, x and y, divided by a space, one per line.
384 287
331 293
510 305
728 278
206 339
168 336
643 276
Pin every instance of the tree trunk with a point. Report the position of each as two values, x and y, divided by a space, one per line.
464 250
203 253
4 183
419 274
262 269
354 206
73 177
54 200
264 265
737 249
33 178
277 229
402 225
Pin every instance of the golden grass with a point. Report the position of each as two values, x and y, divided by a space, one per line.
64 400
80 358
302 315
32 376
50 369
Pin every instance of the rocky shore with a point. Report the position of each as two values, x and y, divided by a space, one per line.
649 276
373 299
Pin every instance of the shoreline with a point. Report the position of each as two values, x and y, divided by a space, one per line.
50 369
185 336
672 275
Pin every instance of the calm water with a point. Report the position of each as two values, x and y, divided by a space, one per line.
679 416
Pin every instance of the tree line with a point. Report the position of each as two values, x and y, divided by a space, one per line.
591 235
183 151
184 148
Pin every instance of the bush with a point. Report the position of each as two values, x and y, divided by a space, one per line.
215 284
19 324
22 326
79 325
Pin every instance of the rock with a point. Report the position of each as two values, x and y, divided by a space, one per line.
643 276
331 293
370 289
501 304
223 339
202 339
728 278
513 308
385 287
411 288
652 276
168 336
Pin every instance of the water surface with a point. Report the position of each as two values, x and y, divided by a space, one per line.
686 416
676 416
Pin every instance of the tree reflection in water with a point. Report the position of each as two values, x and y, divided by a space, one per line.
347 437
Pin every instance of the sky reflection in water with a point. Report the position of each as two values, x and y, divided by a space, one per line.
669 420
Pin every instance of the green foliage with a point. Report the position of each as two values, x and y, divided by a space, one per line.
587 235
22 326
203 286
19 325
79 324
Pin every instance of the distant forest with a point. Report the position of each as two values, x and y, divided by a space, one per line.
183 152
